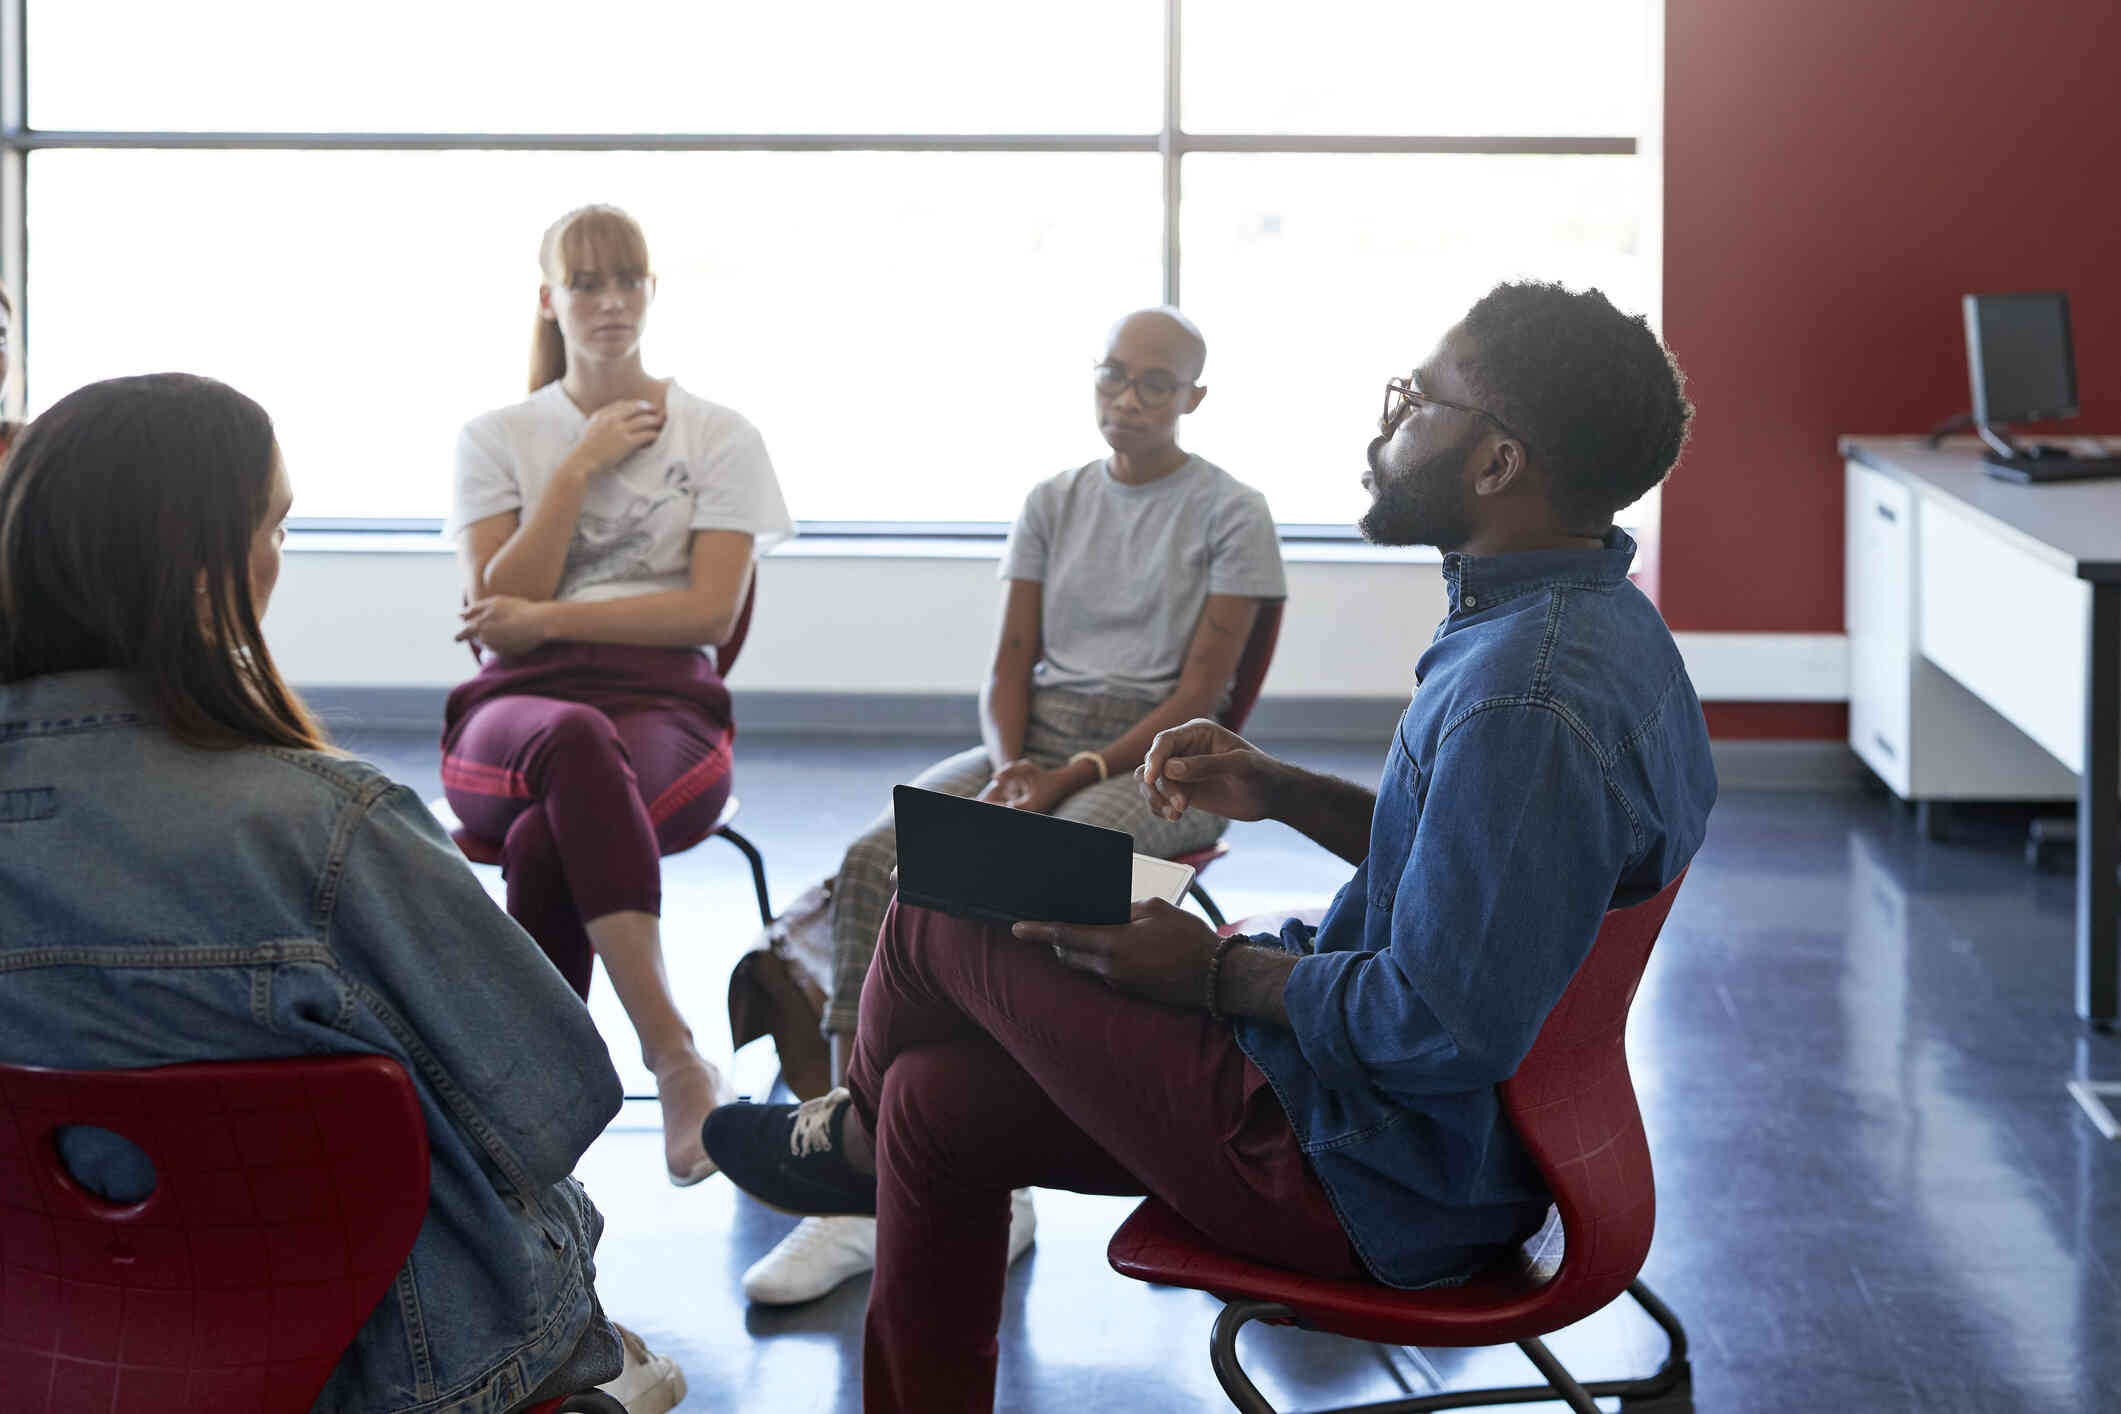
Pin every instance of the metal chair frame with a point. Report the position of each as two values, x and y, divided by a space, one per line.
1669 1388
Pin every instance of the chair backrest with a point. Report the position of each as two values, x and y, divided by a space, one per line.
725 655
288 1194
1574 1107
1252 665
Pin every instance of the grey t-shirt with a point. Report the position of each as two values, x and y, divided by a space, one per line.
1126 570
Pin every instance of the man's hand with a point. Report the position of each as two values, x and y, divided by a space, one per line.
503 623
1204 763
1161 954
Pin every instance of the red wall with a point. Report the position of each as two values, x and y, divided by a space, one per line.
1837 174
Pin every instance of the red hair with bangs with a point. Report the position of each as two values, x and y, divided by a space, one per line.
586 238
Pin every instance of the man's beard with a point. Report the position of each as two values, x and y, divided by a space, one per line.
1420 507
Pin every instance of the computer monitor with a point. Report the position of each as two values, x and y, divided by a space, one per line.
2018 357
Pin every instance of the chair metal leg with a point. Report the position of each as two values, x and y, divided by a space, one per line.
758 871
1207 905
1670 1389
1245 1396
1675 1378
1563 1382
1222 1352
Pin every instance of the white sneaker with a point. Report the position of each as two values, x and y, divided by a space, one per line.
1023 1224
823 1252
810 1261
648 1383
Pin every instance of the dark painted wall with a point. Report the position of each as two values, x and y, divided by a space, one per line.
1837 174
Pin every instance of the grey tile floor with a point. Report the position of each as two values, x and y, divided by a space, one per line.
1874 1193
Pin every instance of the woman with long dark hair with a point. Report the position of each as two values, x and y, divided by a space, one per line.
607 526
189 873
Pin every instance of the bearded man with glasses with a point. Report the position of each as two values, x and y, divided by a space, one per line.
1325 1099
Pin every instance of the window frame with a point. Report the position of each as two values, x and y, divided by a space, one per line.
1171 143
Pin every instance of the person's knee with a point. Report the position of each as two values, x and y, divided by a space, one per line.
529 840
933 1116
908 930
898 957
1101 805
574 729
895 934
927 953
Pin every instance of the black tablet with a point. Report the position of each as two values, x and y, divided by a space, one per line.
975 860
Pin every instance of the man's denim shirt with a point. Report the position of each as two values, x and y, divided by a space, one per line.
1553 764
160 904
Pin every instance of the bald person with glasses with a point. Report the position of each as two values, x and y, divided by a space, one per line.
1130 585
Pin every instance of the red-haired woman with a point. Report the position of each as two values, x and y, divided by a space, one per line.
187 873
607 526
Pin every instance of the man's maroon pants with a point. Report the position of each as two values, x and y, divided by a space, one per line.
982 1064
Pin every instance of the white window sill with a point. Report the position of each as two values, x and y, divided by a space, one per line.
846 547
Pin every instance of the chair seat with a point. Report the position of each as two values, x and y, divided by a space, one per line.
1495 1307
480 850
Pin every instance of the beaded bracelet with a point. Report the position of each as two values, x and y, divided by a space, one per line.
1215 967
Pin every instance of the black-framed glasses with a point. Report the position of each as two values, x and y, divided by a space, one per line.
1154 389
1402 397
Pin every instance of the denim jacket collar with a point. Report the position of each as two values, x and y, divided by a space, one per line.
96 692
1476 582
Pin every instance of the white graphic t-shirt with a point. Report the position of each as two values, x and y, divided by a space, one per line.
706 470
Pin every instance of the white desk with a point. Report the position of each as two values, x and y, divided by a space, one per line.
2014 594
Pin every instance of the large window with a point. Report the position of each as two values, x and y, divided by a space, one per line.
892 235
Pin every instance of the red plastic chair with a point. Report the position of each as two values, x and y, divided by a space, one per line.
1574 1106
1251 672
480 850
288 1195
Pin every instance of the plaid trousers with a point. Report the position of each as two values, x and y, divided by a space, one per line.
1060 724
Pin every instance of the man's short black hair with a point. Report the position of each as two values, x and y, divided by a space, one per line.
1592 391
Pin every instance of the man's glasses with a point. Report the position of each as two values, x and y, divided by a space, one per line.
1153 389
1402 397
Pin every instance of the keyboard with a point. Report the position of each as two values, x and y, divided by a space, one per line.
2037 471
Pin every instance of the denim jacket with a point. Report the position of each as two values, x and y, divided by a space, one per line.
160 904
1553 764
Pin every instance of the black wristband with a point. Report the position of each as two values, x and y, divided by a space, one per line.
1215 967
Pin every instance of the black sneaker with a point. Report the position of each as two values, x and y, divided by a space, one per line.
790 1156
